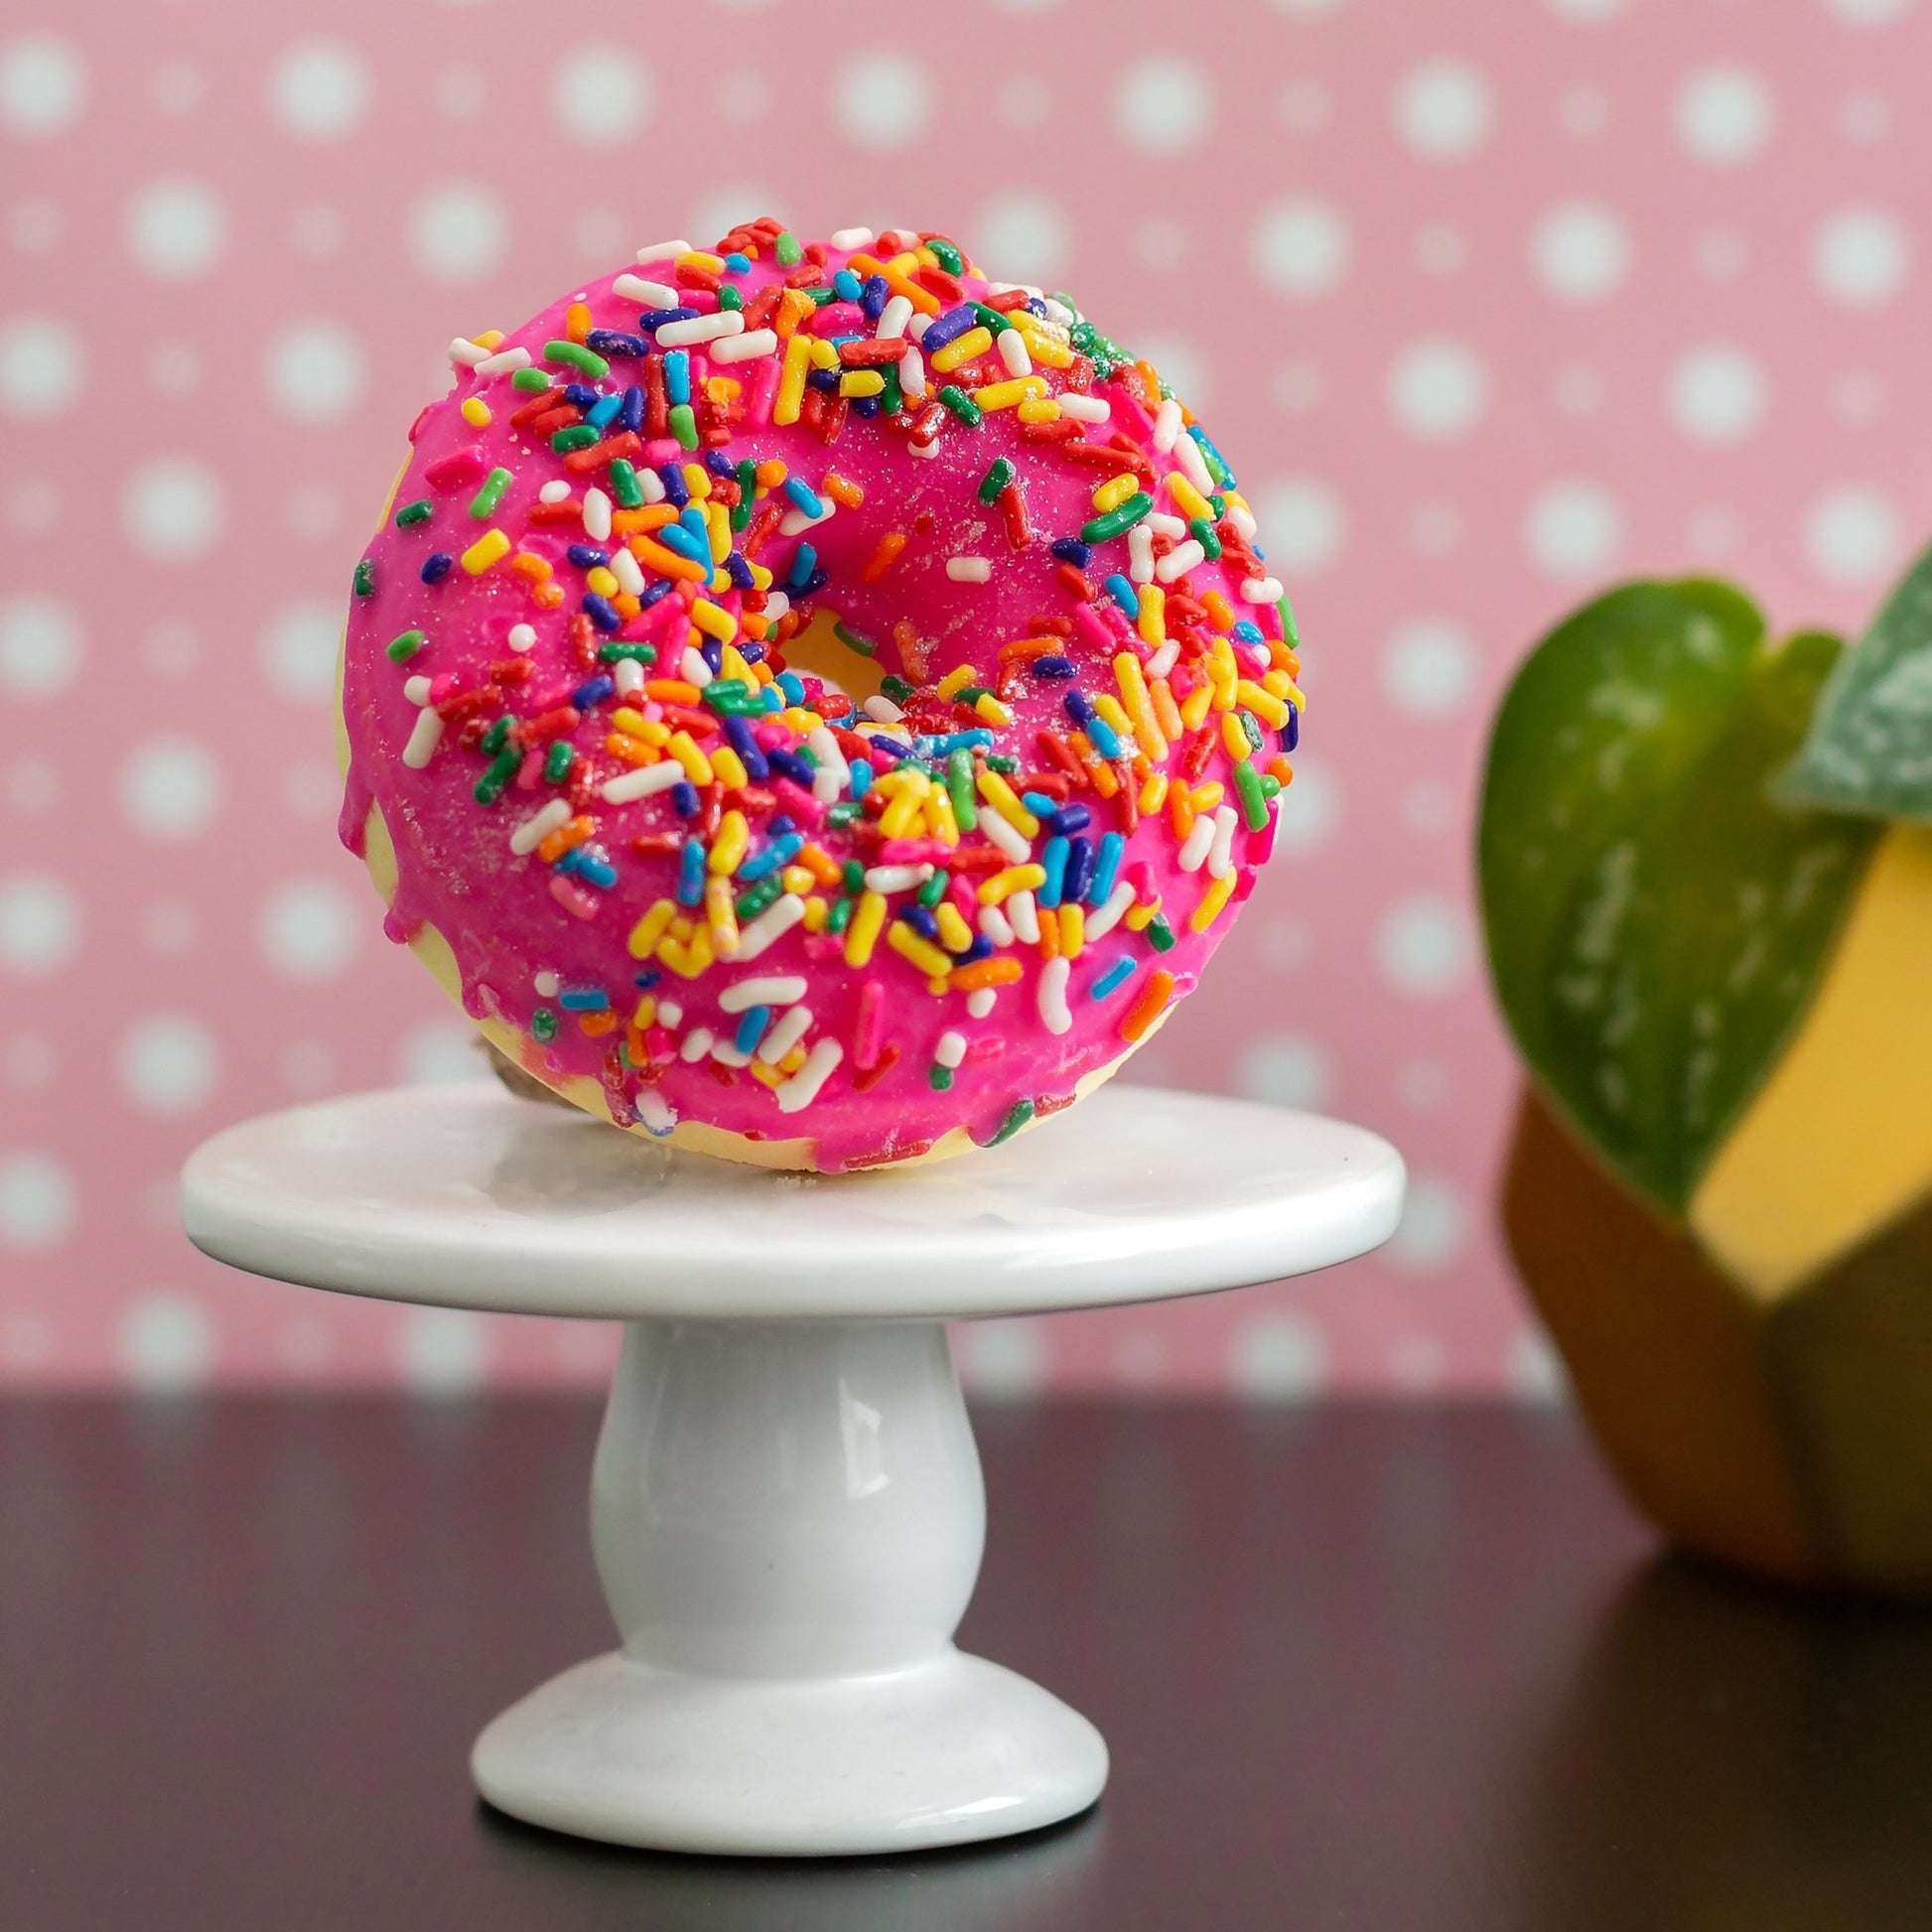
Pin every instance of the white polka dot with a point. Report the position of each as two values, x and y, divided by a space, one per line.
1435 1225
1278 1358
601 94
1310 808
169 1065
1300 247
1725 114
1580 251
1716 393
1438 389
171 788
177 228
43 85
40 646
1182 366
459 231
1307 9
319 91
39 923
1869 13
1000 1361
308 928
1025 6
299 650
1535 1371
1573 529
314 370
1303 525
1445 110
1286 1069
1164 106
1421 947
1861 256
882 100
39 1200
442 1351
1022 235
441 1052
1587 13
173 509
1854 535
1429 667
167 1342
42 366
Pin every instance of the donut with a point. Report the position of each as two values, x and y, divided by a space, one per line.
812 704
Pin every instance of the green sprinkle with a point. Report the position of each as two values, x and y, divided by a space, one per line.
1254 801
624 486
843 813
820 296
365 579
891 399
1269 786
1202 531
947 256
755 898
496 736
543 1026
579 435
485 501
852 876
853 641
959 786
1159 934
1218 504
578 356
557 761
787 250
1291 631
404 647
998 475
684 426
638 653
729 298
934 888
840 914
530 380
896 689
489 787
417 512
1121 518
1005 764
1022 1112
938 1078
962 405
971 694
1249 728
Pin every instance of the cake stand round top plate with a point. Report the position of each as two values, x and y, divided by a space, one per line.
467 1197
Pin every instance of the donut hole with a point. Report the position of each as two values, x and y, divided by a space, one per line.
819 652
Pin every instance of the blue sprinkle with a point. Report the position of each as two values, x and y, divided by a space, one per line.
677 375
654 319
860 781
751 653
1052 667
1104 740
1217 464
674 536
892 745
1292 731
1120 970
1040 804
586 556
580 395
780 852
690 873
648 978
981 948
922 921
804 496
740 571
802 566
737 264
1124 594
613 342
788 764
633 413
867 406
1106 867
752 1023
600 414
788 682
947 328
1078 708
1053 859
713 654
592 692
1069 550
603 612
654 592
826 379
746 747
595 869
871 298
570 864
1072 817
720 464
1249 633
813 583
848 285
1079 868
437 566
671 476
782 826
692 517
684 798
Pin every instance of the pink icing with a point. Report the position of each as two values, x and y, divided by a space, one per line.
521 932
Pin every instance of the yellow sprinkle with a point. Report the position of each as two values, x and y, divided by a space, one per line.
955 934
1115 492
1193 707
1015 879
922 952
1050 349
939 821
1140 918
490 338
796 879
721 916
684 748
1073 929
1233 736
718 527
687 961
956 679
490 548
715 622
697 479
1040 409
791 380
1187 498
729 768
769 1075
728 849
646 934
862 935
1270 710
647 1012
1110 709
1011 393
963 348
1154 794
601 581
816 914
899 818
990 711
1153 622
476 412
824 355
999 794
861 382
1209 908
1207 797
697 258
634 723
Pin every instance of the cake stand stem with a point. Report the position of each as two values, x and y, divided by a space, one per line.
788 1520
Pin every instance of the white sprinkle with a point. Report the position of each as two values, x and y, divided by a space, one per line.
1261 590
1180 561
776 604
1084 409
917 327
522 636
596 516
651 486
926 452
881 710
547 984
829 781
893 318
669 1012
1139 553
642 781
993 923
1163 526
912 374
1060 313
416 689
776 990
466 354
1193 855
1163 660
629 575
423 739
1166 425
728 1052
553 493
1054 1014
796 520
660 250
1012 345
692 667
1022 915
695 1044
791 1030
850 237
651 295
979 1001
1104 919
896 878
655 1114
539 825
1243 519
701 329
1008 838
952 1049
746 347
969 569
1220 858
628 676
1187 454
802 1088
773 924
505 361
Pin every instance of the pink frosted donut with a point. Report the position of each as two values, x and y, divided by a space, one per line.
812 703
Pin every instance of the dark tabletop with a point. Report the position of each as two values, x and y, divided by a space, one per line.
1396 1669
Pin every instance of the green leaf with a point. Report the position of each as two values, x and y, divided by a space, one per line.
1869 748
1656 922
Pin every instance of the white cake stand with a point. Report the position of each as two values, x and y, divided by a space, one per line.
785 1507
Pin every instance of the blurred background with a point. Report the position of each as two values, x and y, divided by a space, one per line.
1488 301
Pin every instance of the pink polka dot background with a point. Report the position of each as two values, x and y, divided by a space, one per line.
1485 303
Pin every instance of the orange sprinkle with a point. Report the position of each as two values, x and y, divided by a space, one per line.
547 597
793 306
1279 768
884 557
668 562
564 837
597 1022
536 569
671 690
1146 1008
629 750
821 865
577 325
1050 935
652 516
846 493
986 972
